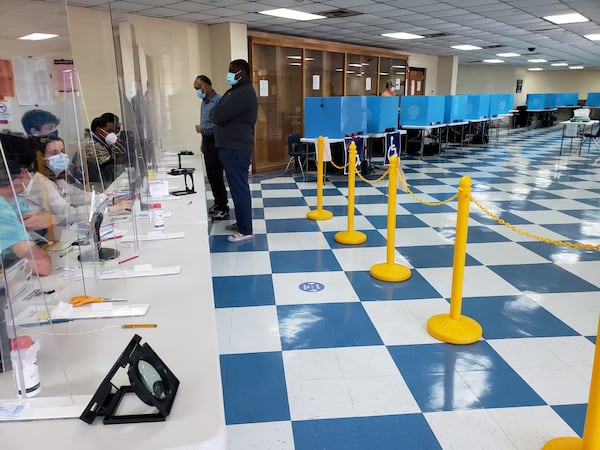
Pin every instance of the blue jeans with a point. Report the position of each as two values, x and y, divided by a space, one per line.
236 162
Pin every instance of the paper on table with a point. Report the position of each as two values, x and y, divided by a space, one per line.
132 273
64 311
154 236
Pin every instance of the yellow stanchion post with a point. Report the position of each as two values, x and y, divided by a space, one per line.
389 270
591 429
455 328
351 236
319 213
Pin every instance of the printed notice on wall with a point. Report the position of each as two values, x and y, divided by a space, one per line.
412 87
367 83
316 82
5 113
418 86
263 88
32 81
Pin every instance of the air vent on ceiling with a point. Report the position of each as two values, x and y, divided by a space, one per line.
436 35
338 13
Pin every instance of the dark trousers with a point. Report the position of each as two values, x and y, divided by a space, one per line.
236 162
214 172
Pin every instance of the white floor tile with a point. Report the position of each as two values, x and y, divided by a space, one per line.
478 281
502 253
579 310
297 241
286 212
287 290
281 193
363 258
263 436
248 330
340 223
406 237
240 263
545 216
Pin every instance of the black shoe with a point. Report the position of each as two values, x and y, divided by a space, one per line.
220 214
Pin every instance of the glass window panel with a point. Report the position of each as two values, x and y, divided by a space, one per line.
394 70
361 75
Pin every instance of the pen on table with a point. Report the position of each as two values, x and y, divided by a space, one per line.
128 259
119 236
66 252
139 325
106 233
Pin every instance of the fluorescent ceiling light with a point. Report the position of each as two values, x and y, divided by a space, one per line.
355 65
537 60
592 37
535 69
576 67
403 35
38 36
286 13
339 69
398 67
508 55
567 18
559 64
466 47
295 64
493 61
383 73
294 57
309 59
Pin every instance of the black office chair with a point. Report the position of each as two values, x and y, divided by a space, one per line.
298 152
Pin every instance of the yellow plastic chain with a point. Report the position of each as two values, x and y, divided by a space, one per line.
535 236
338 167
413 195
373 182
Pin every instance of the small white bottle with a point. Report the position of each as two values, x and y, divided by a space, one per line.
157 216
24 361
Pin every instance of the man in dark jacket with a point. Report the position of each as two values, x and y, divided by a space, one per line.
234 117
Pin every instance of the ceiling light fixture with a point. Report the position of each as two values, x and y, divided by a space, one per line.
466 47
38 36
559 64
493 61
566 18
508 55
537 60
286 13
535 69
576 67
403 35
592 37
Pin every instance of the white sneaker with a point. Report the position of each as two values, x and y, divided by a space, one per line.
239 237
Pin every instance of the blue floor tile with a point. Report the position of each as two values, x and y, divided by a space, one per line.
402 221
325 325
445 377
338 210
220 244
254 388
290 225
370 199
476 234
574 415
247 290
433 256
368 288
509 217
576 231
303 261
275 186
284 201
519 205
513 317
419 208
326 192
408 431
558 254
542 278
258 213
589 215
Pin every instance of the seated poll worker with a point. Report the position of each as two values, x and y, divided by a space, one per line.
37 122
14 240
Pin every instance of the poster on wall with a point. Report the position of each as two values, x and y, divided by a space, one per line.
519 86
33 82
263 88
7 79
65 76
5 112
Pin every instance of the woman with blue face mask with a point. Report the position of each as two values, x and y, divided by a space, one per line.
49 189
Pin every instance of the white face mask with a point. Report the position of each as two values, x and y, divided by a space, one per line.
110 138
26 187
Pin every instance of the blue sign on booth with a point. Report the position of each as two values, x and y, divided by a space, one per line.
392 145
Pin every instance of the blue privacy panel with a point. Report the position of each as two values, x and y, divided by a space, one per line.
536 101
422 110
501 104
551 100
382 113
478 106
334 116
567 98
593 99
456 108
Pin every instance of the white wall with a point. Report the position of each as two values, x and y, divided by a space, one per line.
476 79
430 63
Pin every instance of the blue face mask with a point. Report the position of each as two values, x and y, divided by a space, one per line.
199 93
231 78
54 133
58 163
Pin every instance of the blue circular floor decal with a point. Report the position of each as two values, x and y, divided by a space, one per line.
311 286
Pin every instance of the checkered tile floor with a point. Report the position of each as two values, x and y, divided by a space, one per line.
316 354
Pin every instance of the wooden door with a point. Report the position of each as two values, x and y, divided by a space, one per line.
416 81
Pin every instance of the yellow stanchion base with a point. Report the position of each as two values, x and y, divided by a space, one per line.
350 237
319 214
390 272
463 330
564 443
